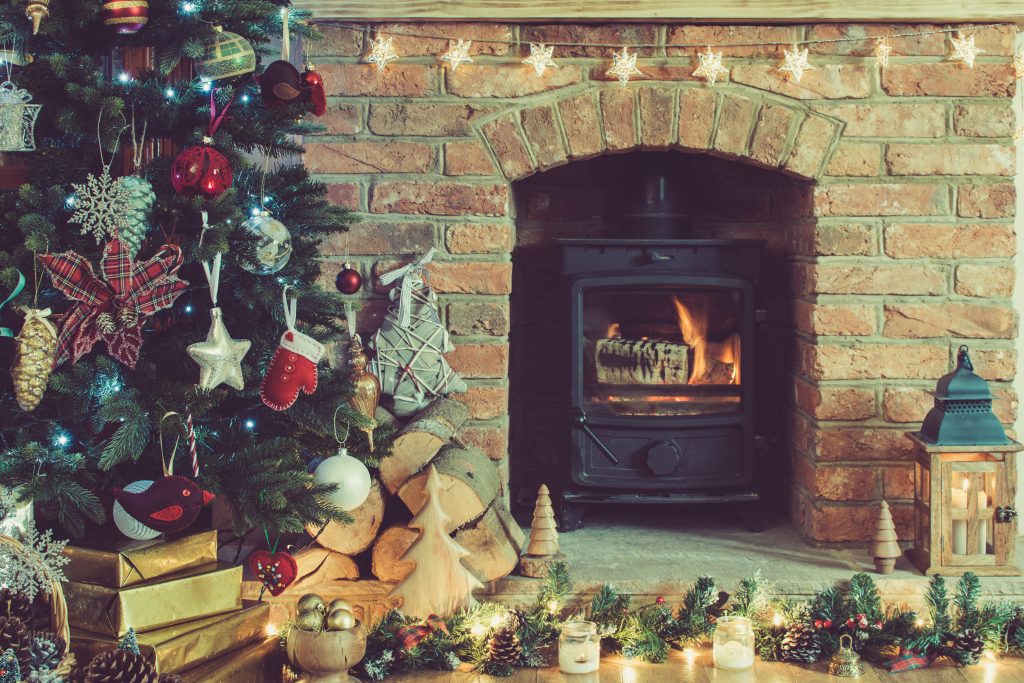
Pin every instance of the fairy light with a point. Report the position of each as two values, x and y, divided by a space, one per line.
188 7
624 66
382 51
272 630
964 49
795 63
919 622
477 630
540 57
245 99
497 620
777 620
458 53
710 66
169 93
690 654
61 439
205 85
882 51
628 674
124 77
553 606
188 308
250 424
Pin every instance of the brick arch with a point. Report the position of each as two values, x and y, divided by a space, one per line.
732 122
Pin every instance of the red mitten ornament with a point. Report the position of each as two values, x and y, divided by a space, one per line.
293 366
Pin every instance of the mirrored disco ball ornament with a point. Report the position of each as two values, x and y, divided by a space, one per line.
17 119
273 245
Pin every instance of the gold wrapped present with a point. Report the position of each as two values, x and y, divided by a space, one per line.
255 664
192 594
123 562
178 647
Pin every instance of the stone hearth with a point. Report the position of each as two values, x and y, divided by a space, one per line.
886 197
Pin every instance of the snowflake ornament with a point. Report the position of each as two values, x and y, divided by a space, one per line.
102 205
35 567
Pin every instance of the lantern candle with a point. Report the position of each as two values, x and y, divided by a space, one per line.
734 643
982 524
958 499
579 648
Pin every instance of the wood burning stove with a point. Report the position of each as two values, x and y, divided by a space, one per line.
662 337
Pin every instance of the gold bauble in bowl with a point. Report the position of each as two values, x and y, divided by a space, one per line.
327 657
340 620
311 601
310 620
339 603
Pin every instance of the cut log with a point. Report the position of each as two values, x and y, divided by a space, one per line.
319 565
386 562
469 484
385 418
641 361
493 542
421 439
354 538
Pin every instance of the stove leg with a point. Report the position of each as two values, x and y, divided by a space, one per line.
753 517
570 516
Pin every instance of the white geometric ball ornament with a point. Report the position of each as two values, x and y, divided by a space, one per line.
128 525
351 476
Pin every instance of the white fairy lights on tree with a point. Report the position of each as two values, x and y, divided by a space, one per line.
624 66
796 64
458 53
540 57
381 52
710 66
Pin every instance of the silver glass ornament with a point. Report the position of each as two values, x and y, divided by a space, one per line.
273 246
220 356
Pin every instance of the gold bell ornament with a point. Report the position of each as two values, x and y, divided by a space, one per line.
366 387
846 662
35 354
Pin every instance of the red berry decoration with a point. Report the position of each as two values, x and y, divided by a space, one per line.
125 16
660 600
349 281
201 170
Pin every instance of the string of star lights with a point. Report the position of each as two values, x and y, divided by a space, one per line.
623 66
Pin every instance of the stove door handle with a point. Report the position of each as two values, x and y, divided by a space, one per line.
579 418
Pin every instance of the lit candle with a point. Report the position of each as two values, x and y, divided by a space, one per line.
733 655
982 524
959 496
958 499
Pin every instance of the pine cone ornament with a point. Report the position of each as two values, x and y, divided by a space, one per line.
503 650
77 675
141 199
14 635
800 644
13 604
45 675
120 666
516 620
45 650
35 354
105 323
967 647
128 316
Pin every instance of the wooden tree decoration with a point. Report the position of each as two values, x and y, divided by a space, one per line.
439 583
543 547
884 546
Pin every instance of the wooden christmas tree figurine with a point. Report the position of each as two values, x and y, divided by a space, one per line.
543 547
439 583
884 546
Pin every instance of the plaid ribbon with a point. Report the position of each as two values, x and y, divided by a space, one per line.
412 635
908 661
145 286
407 285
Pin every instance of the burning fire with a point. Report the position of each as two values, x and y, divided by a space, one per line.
708 356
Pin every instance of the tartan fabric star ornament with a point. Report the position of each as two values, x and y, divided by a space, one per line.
114 307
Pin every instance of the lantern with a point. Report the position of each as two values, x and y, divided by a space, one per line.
965 481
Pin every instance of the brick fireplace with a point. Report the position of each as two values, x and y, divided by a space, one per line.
885 197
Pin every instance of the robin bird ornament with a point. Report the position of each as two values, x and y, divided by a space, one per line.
166 505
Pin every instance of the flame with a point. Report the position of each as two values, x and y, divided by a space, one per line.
693 324
614 331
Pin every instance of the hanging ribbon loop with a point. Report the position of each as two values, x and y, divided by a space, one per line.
215 118
291 308
407 284
18 288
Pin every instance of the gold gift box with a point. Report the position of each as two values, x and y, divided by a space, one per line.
186 596
255 664
178 647
124 562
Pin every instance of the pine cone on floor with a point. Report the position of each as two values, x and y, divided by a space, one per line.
120 666
45 650
503 652
516 620
967 647
170 678
800 644
16 605
14 635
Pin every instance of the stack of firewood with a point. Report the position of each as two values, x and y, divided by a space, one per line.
471 498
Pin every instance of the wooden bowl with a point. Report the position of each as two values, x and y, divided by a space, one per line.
326 657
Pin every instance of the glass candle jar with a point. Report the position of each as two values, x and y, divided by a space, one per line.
579 648
734 643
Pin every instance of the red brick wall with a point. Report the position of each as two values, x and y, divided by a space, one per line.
897 240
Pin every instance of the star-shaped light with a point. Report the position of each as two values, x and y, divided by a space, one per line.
458 53
964 49
540 57
381 52
624 66
1018 66
882 51
710 66
220 356
1019 135
796 63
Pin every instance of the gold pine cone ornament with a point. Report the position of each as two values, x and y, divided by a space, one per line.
35 354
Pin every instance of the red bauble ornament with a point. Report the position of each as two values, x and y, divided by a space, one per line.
125 16
276 572
349 281
660 600
201 170
317 95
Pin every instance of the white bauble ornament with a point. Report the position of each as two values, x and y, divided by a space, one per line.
273 245
128 525
351 476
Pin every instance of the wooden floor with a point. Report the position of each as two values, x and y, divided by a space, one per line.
677 670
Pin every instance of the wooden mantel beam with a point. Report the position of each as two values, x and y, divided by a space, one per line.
697 11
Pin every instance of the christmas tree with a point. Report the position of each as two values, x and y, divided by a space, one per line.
124 94
439 583
10 671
